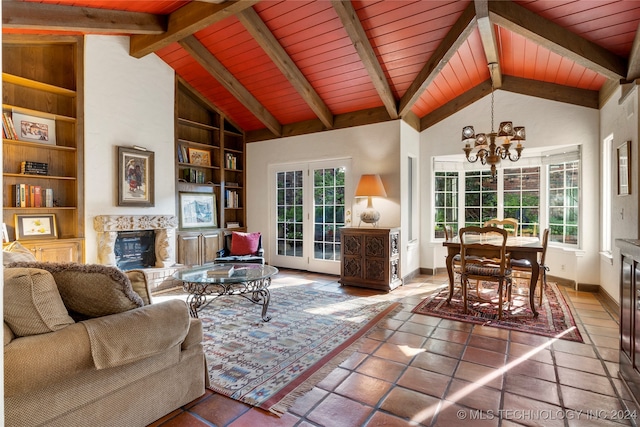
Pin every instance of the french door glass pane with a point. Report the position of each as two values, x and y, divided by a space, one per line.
290 217
329 208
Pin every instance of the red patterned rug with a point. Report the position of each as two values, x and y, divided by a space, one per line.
554 318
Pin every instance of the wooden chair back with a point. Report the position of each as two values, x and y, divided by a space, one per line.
448 232
510 223
484 245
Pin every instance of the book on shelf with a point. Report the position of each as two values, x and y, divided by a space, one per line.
232 199
34 168
7 126
233 224
48 197
231 161
31 196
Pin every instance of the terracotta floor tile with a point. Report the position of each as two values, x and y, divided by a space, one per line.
353 361
528 339
484 357
455 325
363 388
305 403
584 400
410 405
531 387
444 348
332 380
585 381
471 395
531 412
450 335
601 330
606 342
421 319
581 363
487 343
574 348
490 331
185 419
532 368
426 382
338 411
219 409
517 351
459 416
381 368
368 345
404 338
436 363
417 329
382 419
483 375
258 417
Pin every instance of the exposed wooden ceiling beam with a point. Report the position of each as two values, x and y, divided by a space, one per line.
42 16
263 36
488 38
633 71
226 79
360 41
557 39
551 91
190 18
450 44
456 104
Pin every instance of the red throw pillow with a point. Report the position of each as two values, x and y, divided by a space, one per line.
244 243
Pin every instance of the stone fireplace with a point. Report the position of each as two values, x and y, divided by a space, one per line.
164 226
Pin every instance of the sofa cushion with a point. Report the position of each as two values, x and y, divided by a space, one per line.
15 252
244 243
32 304
91 290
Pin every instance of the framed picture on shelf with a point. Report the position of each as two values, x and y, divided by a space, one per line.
135 177
198 210
199 157
34 129
36 226
624 169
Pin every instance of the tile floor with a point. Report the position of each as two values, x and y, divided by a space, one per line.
426 371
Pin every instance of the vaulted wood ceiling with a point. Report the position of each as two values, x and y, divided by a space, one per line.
280 68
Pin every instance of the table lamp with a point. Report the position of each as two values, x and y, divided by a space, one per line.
369 186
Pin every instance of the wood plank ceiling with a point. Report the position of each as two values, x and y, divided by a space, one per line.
280 68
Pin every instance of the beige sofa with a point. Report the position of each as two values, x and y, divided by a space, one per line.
83 346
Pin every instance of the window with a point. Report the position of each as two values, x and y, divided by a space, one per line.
329 206
446 202
412 197
481 198
522 198
563 202
606 194
290 218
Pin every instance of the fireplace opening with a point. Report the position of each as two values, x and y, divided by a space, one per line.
135 249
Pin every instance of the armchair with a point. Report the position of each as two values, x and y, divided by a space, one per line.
241 247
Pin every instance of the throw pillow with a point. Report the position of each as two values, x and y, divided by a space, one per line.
32 304
244 243
91 290
15 252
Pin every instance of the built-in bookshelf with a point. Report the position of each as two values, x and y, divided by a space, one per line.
42 98
209 154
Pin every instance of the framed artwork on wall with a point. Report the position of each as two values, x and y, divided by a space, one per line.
135 177
199 157
41 226
198 210
624 169
34 129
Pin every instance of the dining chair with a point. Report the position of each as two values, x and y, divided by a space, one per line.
511 223
484 257
525 265
448 232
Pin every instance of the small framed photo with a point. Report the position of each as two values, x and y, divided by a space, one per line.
198 210
36 227
624 169
135 177
199 157
34 129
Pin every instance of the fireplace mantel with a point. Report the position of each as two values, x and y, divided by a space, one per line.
108 227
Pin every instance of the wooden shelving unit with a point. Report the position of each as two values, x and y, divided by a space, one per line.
203 131
44 80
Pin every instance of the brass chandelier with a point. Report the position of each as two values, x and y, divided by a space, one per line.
488 150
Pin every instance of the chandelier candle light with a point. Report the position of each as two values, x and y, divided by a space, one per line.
488 151
369 186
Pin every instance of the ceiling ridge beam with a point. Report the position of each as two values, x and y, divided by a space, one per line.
557 39
190 18
458 103
552 91
53 17
358 35
633 71
488 39
443 53
226 79
265 38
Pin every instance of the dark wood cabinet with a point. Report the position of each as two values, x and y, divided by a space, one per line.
630 315
370 257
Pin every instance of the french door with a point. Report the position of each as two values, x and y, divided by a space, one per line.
310 207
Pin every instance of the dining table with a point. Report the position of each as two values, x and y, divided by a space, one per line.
518 247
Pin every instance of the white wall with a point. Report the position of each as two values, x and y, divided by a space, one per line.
373 149
128 101
621 121
549 124
409 147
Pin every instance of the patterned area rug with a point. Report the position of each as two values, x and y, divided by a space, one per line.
271 364
554 316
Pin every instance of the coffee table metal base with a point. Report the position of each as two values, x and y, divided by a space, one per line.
202 294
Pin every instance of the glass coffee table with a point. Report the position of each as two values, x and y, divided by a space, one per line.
205 283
